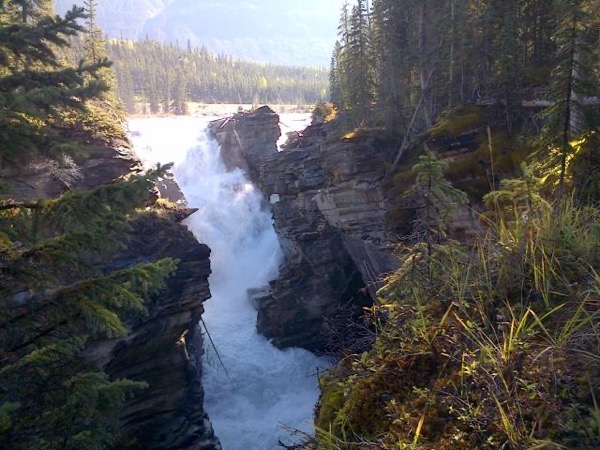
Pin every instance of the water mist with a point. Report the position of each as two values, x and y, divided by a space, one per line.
253 390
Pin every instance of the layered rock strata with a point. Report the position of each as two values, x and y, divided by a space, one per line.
349 196
43 178
248 139
164 347
329 214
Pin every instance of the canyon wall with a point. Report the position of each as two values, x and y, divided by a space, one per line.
164 347
329 212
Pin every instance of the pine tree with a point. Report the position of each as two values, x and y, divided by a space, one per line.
58 287
167 88
94 41
179 104
390 35
359 64
568 116
35 89
334 76
434 199
354 71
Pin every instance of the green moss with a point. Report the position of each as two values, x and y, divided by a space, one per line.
458 120
330 403
364 411
480 171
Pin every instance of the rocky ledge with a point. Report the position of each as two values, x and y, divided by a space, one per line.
329 214
43 178
248 139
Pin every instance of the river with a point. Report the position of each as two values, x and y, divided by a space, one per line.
254 392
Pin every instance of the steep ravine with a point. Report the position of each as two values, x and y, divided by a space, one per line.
253 390
329 212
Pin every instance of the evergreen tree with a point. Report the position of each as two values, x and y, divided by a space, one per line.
572 81
358 63
180 95
434 199
94 42
334 76
35 89
166 99
153 96
58 288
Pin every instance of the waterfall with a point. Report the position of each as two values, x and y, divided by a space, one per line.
258 388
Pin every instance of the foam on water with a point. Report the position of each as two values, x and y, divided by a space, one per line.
268 387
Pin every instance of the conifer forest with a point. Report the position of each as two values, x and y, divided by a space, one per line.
489 339
488 111
164 78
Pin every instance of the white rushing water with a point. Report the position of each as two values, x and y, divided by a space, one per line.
268 388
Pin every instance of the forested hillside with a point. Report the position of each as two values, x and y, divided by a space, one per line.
405 58
519 69
163 77
487 339
297 32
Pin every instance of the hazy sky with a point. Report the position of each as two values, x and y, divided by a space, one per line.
279 31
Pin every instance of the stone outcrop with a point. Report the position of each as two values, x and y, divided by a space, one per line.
169 189
248 139
351 199
165 347
329 213
43 178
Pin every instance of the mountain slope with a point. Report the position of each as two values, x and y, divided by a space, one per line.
301 33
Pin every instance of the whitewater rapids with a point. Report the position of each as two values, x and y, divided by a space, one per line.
258 392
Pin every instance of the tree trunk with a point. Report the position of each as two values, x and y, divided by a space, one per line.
423 77
452 38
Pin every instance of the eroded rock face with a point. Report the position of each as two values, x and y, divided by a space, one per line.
43 178
329 214
248 139
347 193
164 348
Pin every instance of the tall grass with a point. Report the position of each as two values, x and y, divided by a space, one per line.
492 345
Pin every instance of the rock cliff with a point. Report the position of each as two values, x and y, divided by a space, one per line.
43 178
329 213
248 139
164 347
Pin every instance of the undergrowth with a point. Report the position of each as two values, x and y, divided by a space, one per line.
488 345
